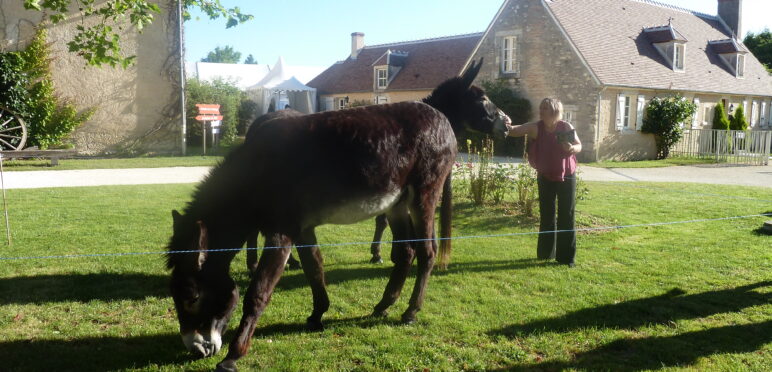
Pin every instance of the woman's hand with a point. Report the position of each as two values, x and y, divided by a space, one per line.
567 147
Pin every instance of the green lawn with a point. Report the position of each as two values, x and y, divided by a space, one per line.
112 163
681 297
669 162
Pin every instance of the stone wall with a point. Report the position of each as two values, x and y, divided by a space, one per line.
137 109
547 66
391 96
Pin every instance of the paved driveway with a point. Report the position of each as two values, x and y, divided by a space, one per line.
726 175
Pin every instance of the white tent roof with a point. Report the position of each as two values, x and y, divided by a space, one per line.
280 78
242 75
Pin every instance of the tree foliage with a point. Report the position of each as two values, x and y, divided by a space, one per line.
225 54
100 44
738 121
761 46
26 87
663 119
720 121
250 60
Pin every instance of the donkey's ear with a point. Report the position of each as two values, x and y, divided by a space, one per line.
471 73
176 217
203 243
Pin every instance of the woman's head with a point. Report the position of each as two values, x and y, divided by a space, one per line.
550 110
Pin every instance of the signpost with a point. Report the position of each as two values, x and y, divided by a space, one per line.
206 114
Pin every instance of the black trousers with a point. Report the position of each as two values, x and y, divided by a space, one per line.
562 245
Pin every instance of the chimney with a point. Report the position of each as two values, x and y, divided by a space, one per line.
731 12
357 43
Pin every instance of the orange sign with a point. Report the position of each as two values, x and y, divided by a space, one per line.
208 112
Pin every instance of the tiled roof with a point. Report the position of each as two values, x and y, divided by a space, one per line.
625 55
428 63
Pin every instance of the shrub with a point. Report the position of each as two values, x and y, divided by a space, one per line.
485 180
720 121
663 119
738 121
248 112
526 188
26 87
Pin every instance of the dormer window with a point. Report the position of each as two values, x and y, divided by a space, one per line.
670 44
381 77
732 53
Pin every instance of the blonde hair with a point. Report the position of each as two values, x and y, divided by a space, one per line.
552 105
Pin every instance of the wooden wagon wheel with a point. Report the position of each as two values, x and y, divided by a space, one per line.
13 131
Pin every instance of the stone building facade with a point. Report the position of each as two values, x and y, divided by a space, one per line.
138 109
606 59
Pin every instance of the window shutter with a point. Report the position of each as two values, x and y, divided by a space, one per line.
620 109
329 103
696 123
639 112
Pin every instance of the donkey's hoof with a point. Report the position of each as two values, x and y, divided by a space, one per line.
408 319
379 314
313 325
226 366
376 260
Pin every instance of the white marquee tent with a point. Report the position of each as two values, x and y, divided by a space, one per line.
282 87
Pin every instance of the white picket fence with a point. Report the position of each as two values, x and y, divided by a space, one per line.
726 146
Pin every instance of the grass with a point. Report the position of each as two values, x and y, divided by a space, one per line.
112 163
681 297
669 162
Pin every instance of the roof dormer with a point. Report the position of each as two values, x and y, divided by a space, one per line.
387 66
732 53
670 44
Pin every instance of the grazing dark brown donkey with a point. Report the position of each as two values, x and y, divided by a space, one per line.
332 167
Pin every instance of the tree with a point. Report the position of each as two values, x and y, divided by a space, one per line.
99 44
223 55
720 121
250 60
663 119
761 46
738 121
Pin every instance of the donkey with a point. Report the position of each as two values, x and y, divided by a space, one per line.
333 167
380 222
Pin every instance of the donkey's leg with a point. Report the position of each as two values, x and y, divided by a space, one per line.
313 267
402 255
252 252
293 263
269 270
375 249
422 216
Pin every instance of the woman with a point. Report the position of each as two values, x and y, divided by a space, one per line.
552 146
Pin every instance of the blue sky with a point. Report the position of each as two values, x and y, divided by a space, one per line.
318 32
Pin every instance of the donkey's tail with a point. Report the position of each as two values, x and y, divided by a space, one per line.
446 229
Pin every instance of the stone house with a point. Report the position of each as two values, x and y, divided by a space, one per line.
605 59
137 109
392 72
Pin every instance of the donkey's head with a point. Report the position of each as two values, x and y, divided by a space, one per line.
204 294
467 107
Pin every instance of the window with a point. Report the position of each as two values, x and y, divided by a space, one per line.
708 115
678 58
626 113
508 54
381 99
381 78
569 116
740 65
341 103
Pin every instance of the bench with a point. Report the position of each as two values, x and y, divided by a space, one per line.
53 155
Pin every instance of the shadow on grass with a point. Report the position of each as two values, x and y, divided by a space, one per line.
93 354
296 279
662 309
82 288
654 353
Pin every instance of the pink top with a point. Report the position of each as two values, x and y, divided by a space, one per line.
548 157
